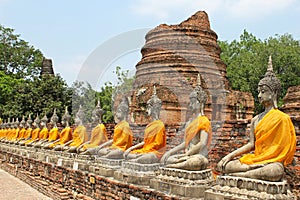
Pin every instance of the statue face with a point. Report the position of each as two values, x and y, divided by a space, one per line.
265 95
119 115
77 121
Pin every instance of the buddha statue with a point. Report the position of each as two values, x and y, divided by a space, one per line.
22 130
65 134
53 133
99 134
28 132
35 132
16 132
272 138
122 137
197 136
153 147
43 134
79 135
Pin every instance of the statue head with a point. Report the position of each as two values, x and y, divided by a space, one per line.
12 124
154 105
23 122
269 87
44 121
122 110
97 113
29 121
79 116
198 98
54 118
65 119
16 125
37 121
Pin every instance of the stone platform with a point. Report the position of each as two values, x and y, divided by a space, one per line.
136 173
182 182
105 167
230 187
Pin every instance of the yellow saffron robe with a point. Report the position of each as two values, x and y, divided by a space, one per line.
44 134
79 136
35 135
198 124
27 133
154 138
98 136
65 136
16 134
53 134
275 140
22 133
122 138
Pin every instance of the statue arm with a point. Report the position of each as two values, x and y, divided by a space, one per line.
242 150
137 146
171 152
67 143
200 145
105 144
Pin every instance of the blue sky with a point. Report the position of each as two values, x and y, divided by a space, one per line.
74 32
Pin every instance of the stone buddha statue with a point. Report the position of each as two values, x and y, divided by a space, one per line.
79 135
153 147
65 134
272 138
122 137
35 132
16 132
98 134
44 133
28 132
22 130
197 136
53 133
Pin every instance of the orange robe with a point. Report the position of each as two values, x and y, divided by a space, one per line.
27 133
122 138
35 135
16 134
79 136
154 138
65 136
98 136
198 124
44 134
275 140
22 133
53 134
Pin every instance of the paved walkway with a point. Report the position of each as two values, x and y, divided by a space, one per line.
12 188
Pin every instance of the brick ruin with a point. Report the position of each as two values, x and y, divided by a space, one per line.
172 57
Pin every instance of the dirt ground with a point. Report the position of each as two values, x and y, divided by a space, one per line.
13 188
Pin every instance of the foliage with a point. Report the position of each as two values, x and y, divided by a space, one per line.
17 57
247 61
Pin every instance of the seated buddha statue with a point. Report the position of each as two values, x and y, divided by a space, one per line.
66 134
122 137
35 132
22 130
272 138
79 135
53 133
16 132
28 132
98 134
43 134
154 144
197 136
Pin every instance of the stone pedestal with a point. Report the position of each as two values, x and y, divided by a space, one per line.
229 187
106 167
136 173
182 182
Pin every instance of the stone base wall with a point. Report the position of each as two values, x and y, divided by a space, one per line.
66 183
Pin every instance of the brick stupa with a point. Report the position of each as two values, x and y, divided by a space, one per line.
172 57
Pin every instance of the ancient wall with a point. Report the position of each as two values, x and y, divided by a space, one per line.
172 57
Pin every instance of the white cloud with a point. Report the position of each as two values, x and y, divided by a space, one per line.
242 9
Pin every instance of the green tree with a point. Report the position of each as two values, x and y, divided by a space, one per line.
247 61
17 57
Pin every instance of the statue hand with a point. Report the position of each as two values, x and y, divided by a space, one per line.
126 153
163 159
222 163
